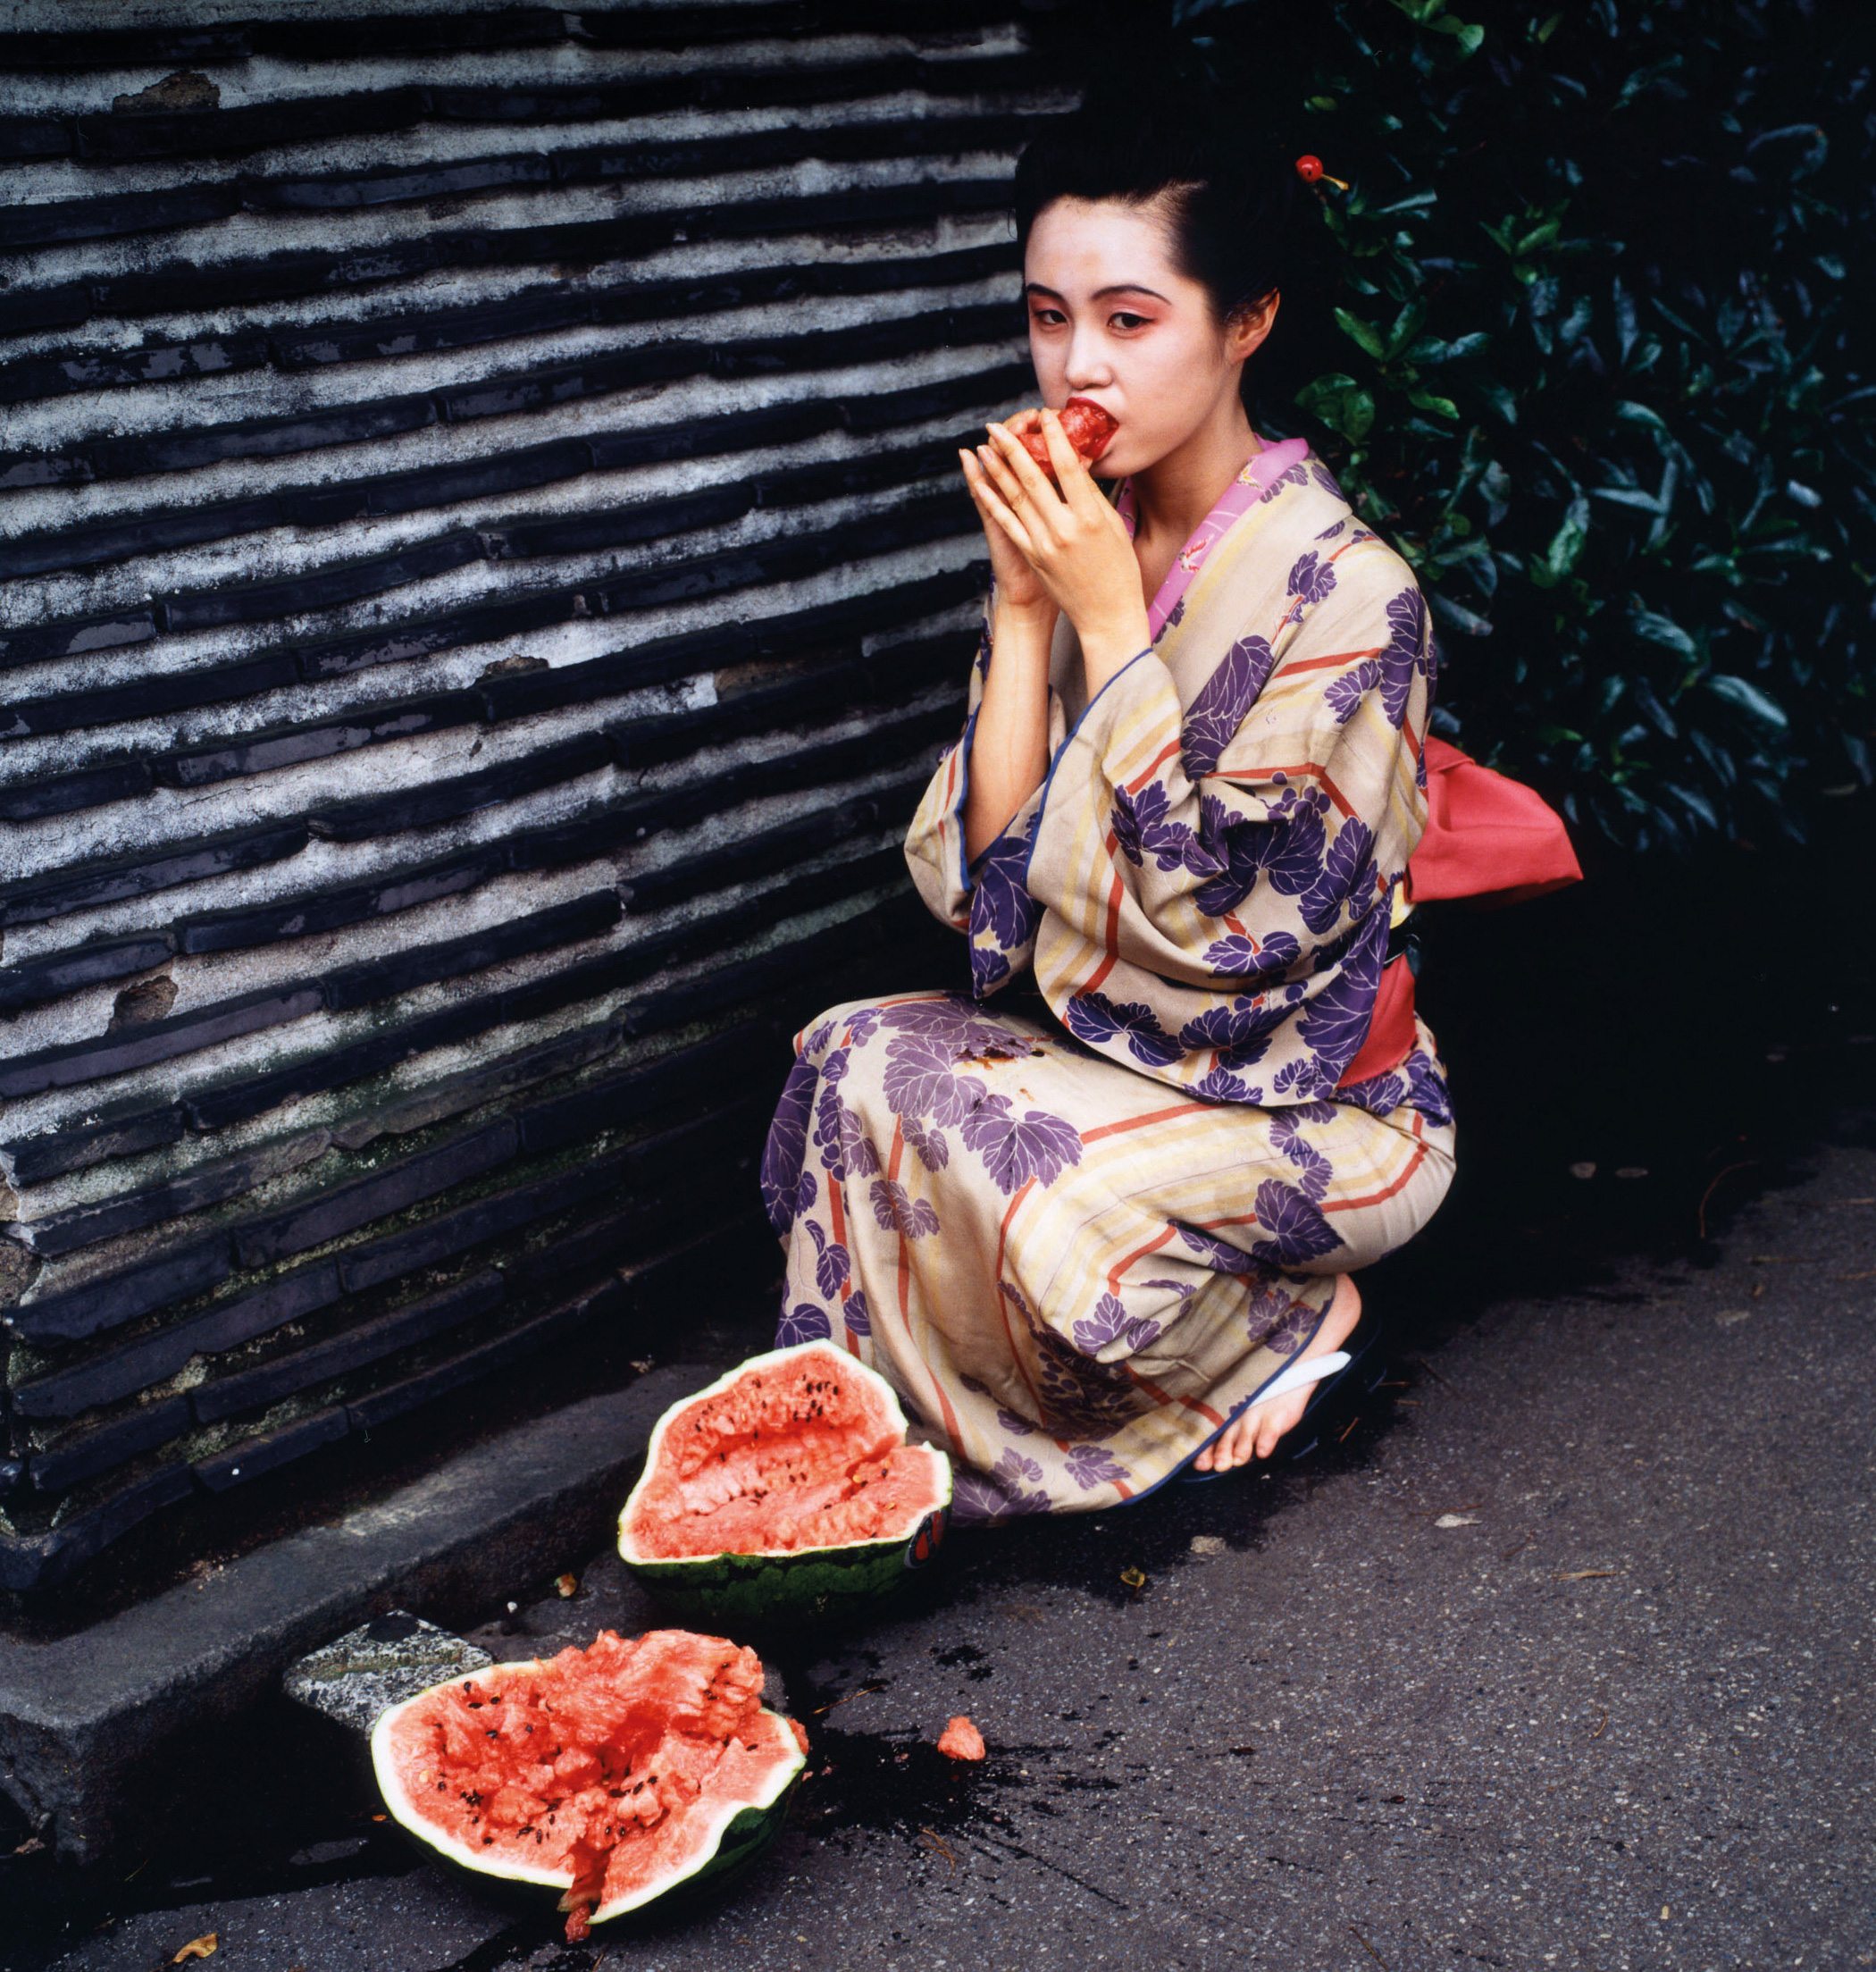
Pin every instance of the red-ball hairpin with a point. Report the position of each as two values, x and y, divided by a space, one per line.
1309 168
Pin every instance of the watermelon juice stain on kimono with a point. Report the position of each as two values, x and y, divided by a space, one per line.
1078 1230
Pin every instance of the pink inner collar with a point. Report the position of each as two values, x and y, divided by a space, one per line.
1245 491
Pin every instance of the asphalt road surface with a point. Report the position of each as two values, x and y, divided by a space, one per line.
1561 1657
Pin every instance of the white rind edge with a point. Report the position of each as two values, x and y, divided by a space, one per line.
896 1416
397 1798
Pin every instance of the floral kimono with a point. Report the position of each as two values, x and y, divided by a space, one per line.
1080 1216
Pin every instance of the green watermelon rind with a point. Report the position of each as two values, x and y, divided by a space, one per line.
742 1829
794 1583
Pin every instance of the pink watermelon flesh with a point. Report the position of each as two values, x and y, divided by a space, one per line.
612 1767
803 1453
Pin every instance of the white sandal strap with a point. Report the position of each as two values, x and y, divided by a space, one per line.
1305 1372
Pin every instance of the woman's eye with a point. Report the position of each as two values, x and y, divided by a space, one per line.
1125 318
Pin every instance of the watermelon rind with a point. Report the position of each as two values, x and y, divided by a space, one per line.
792 1585
739 1831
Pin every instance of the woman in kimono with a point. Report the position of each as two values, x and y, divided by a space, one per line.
1083 1215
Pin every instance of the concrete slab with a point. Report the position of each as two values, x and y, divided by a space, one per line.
86 1721
381 1663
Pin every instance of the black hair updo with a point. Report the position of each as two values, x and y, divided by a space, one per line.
1241 223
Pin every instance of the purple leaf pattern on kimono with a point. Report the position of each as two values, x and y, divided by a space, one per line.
830 1117
1241 1032
1312 579
1080 1394
1314 1171
920 1080
934 1151
1002 1490
786 1146
1296 854
1218 710
1291 476
989 968
1335 1022
1347 877
1406 616
1092 1466
951 1019
805 1191
1379 1092
1141 829
1093 1016
856 1313
1218 1254
1297 1228
1233 846
1237 957
911 1218
1014 1149
804 1323
1111 1322
1324 478
1219 1086
1347 691
862 1026
831 1264
857 1150
1003 915
1427 1089
1280 1321
1018 1427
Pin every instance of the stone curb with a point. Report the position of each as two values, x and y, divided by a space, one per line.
86 1720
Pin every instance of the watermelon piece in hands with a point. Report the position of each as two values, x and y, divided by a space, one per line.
1086 426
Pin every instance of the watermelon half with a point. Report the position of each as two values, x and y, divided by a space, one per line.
616 1774
785 1492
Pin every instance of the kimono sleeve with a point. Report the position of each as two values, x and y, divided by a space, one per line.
1246 839
983 898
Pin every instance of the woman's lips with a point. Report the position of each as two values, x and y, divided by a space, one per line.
1088 427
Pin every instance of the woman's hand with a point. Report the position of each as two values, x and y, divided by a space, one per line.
1018 588
1075 543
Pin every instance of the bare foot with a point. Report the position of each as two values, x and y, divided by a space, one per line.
1255 1434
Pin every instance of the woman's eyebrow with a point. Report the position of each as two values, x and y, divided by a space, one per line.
1122 288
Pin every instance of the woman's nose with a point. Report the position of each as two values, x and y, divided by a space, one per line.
1087 366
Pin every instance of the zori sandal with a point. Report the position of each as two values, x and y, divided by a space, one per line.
1356 1365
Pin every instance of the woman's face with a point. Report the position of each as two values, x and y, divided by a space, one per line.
1112 319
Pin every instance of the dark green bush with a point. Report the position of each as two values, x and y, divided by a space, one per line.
1599 370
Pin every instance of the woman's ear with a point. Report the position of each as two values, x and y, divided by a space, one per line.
1248 327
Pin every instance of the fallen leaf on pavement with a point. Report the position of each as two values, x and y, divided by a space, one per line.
1457 1520
943 1848
1584 1574
203 1947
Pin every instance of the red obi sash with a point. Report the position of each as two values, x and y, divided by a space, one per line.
1487 837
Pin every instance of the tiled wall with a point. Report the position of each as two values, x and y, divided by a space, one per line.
485 579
